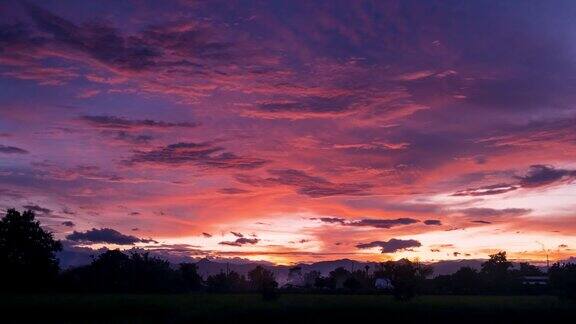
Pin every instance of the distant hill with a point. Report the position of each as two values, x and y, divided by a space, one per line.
79 256
207 267
450 266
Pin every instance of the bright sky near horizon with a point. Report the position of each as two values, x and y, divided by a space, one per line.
293 130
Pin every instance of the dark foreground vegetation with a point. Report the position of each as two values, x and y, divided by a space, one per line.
137 287
290 308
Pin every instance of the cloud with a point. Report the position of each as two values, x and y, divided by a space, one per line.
37 209
296 178
383 223
51 170
98 41
538 175
305 184
390 246
543 175
12 150
68 211
330 220
105 235
47 76
237 234
12 194
204 155
487 190
369 222
434 222
241 241
68 223
207 235
88 93
490 212
114 122
182 59
245 240
333 190
130 138
190 41
232 191
305 107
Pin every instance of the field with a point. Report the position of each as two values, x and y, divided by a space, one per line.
288 308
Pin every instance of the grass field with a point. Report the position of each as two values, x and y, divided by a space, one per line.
288 308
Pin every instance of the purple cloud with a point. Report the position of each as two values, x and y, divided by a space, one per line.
487 190
369 222
38 209
490 212
537 176
232 191
305 184
68 223
114 122
241 241
433 222
12 150
202 154
330 220
390 246
237 234
105 235
542 175
383 223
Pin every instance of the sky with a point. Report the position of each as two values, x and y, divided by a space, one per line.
291 131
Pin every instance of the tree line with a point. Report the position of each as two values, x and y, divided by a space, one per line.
28 263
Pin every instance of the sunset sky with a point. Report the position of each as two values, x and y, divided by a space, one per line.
293 131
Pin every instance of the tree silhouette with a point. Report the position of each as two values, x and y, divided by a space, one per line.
465 281
226 282
295 275
190 277
310 278
563 279
263 280
495 273
352 283
527 269
27 253
407 277
322 282
116 272
360 279
338 277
